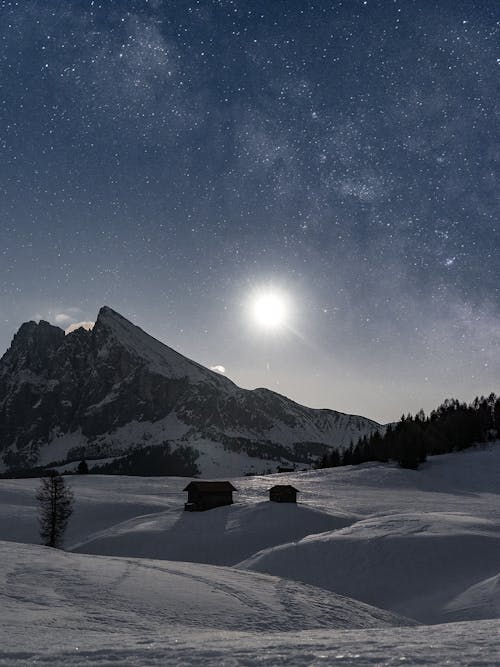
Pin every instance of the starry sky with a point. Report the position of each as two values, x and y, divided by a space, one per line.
171 158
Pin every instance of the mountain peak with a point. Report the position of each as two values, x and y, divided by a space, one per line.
107 314
159 357
117 324
40 334
32 345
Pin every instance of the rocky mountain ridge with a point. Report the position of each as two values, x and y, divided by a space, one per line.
113 391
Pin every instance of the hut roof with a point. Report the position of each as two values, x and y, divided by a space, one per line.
210 487
284 486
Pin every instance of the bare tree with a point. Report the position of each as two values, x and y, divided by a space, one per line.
55 500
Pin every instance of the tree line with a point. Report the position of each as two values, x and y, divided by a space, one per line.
452 427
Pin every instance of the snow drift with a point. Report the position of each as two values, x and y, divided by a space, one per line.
412 564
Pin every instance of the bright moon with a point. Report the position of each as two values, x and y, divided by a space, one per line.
269 310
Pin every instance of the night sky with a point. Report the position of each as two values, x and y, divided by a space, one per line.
171 159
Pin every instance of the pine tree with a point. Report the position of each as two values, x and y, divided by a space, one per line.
55 500
334 458
82 468
496 417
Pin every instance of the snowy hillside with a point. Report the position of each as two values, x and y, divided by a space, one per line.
141 596
69 609
424 544
415 563
115 392
223 536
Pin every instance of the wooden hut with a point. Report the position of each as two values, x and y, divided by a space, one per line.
207 495
283 493
284 469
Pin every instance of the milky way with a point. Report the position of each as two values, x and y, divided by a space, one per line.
169 158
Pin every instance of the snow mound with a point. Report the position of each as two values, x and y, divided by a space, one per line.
480 601
412 564
223 536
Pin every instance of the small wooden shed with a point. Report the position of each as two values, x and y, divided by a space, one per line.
284 469
283 493
207 495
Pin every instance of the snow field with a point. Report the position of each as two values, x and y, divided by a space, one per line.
458 644
423 544
49 596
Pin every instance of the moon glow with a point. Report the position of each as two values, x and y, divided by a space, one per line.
269 310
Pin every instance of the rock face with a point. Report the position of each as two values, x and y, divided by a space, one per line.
105 393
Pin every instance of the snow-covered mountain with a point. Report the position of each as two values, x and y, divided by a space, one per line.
116 394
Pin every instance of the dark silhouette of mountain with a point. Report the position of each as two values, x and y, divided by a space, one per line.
114 390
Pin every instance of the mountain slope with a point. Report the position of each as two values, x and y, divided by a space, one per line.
105 393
